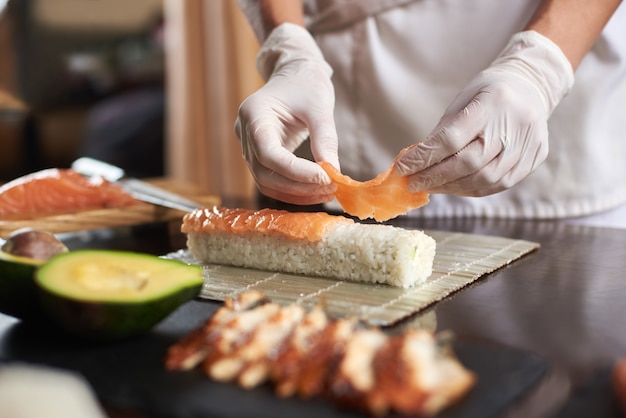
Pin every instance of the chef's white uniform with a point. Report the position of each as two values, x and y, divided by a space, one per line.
399 63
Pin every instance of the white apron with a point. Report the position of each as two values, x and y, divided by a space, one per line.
399 63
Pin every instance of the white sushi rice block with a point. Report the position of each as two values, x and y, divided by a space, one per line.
369 253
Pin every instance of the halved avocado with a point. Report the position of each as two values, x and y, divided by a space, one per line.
18 292
105 294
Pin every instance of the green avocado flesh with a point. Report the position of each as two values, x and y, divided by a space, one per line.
106 294
18 293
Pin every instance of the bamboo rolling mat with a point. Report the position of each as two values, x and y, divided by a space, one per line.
460 260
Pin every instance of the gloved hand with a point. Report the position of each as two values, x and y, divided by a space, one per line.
296 102
495 131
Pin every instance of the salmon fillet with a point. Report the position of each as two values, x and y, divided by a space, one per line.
58 191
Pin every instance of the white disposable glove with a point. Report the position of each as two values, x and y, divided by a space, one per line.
495 131
296 102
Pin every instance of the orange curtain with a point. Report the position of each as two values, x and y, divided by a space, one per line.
210 53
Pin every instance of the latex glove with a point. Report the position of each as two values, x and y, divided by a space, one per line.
495 132
296 102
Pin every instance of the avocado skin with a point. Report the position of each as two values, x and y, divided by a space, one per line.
18 291
111 320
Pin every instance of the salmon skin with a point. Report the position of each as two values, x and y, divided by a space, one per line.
57 191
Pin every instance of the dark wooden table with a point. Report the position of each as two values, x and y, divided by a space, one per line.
564 302
562 305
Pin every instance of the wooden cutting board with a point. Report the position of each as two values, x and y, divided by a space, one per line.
105 218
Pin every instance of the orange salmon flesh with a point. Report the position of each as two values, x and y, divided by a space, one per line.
310 226
382 198
58 191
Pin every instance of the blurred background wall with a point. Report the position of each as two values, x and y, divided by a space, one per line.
150 85
211 68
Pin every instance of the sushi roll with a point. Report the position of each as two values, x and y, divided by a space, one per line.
310 243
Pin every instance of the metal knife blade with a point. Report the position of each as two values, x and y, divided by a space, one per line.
139 189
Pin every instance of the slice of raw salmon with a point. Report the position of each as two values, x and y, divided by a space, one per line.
309 226
382 198
58 191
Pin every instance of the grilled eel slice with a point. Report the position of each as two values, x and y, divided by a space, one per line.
251 340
